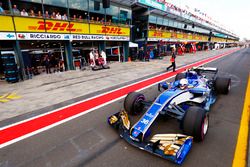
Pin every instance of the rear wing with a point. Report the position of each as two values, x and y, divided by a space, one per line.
209 72
206 69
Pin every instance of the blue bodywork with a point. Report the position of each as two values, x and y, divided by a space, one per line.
152 113
197 86
173 102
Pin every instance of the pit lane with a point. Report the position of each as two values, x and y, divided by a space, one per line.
89 141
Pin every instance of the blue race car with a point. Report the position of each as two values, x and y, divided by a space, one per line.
187 99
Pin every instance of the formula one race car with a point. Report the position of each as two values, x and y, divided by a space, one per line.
187 99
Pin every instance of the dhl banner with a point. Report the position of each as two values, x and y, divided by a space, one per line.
52 26
65 27
179 35
204 38
109 30
173 36
190 37
28 25
159 34
6 23
55 26
217 39
79 28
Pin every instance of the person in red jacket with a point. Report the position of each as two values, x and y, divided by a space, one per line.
172 60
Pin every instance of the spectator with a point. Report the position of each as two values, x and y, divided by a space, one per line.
74 17
92 20
24 13
103 55
92 58
46 15
97 20
47 64
53 15
151 54
64 17
58 16
80 18
32 13
39 14
61 65
1 9
96 54
15 10
141 54
109 22
102 21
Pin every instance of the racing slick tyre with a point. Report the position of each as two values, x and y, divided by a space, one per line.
179 76
196 122
222 85
133 103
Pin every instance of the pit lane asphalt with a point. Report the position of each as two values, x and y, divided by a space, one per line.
89 141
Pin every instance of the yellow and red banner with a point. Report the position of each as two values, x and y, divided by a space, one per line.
80 28
28 25
159 34
109 30
56 26
53 26
6 23
217 39
179 35
152 34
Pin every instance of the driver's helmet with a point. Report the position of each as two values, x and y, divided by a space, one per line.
183 83
192 75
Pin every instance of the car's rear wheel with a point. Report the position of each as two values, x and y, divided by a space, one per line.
179 76
222 85
133 103
196 123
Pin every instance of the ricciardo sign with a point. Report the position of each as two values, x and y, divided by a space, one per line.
42 36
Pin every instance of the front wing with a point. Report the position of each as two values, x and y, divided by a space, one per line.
173 147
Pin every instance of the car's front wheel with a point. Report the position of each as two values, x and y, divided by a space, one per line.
196 123
133 103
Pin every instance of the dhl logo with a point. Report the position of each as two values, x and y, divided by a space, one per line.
173 35
185 36
54 26
158 34
111 30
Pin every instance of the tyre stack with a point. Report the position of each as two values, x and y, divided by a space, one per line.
10 68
